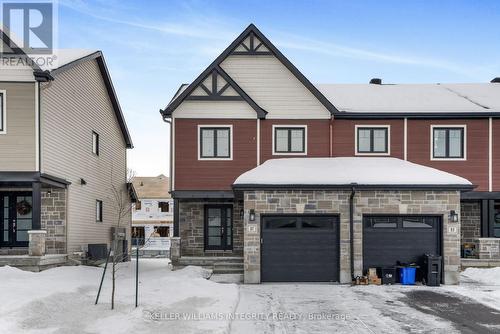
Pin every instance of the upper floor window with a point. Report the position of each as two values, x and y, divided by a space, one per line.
215 142
289 139
3 114
372 140
98 211
448 142
95 143
164 206
138 205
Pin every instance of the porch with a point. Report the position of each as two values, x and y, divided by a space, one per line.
32 220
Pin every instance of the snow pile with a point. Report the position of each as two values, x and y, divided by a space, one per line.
490 276
345 171
61 300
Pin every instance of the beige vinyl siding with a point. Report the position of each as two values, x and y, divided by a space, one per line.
73 105
215 109
274 88
17 145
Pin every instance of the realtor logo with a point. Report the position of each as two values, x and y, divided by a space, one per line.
30 26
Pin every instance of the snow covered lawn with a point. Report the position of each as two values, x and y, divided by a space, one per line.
61 300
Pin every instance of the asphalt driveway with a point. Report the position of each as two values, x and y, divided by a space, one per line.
324 308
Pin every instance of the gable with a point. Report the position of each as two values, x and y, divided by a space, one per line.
274 87
252 43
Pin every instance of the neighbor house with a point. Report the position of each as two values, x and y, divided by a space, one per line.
152 213
301 182
63 144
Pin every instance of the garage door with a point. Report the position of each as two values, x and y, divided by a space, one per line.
300 249
389 239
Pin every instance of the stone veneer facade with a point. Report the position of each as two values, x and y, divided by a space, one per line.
470 217
365 202
53 220
191 225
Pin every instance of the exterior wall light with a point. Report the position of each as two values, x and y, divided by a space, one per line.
453 216
252 215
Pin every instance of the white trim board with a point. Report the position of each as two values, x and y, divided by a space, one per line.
457 126
382 126
4 112
490 154
230 126
289 126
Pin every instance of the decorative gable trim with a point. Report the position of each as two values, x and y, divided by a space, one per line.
251 46
215 88
250 42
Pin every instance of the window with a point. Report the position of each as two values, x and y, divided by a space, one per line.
95 143
372 140
289 140
98 211
215 142
164 206
138 205
381 222
3 113
401 222
448 142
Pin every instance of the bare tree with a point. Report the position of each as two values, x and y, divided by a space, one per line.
122 207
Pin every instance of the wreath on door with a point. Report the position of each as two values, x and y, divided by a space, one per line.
23 207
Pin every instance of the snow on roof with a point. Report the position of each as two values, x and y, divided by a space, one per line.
346 171
480 97
65 56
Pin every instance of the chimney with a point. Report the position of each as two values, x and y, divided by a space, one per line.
376 81
496 80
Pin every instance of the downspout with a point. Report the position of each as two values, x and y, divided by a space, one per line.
331 136
170 168
351 227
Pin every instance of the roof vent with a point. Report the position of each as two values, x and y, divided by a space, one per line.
376 81
496 80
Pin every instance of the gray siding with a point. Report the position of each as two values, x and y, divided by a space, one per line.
73 105
17 146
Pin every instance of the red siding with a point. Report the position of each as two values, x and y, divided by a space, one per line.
475 168
344 136
318 137
194 174
496 155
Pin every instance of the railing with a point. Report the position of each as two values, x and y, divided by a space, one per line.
138 241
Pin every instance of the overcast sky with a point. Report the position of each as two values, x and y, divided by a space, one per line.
151 47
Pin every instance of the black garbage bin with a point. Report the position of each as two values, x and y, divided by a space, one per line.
432 269
388 275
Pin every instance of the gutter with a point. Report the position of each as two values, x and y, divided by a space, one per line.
351 227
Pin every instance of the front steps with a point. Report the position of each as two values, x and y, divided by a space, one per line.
218 264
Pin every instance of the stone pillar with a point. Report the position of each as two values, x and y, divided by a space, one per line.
175 249
489 248
37 242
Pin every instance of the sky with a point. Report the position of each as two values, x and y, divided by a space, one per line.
151 47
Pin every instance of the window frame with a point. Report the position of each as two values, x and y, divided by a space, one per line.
98 211
289 128
446 127
215 127
3 112
98 144
372 127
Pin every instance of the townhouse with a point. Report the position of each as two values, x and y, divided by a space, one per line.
63 143
303 182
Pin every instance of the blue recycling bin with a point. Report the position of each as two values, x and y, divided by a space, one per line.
407 275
